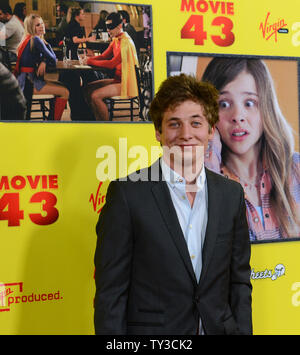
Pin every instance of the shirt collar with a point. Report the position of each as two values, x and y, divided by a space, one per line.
176 180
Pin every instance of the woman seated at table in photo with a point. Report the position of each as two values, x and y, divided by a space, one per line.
101 26
120 56
98 31
34 54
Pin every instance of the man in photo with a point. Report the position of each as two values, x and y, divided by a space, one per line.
121 58
173 249
14 30
127 26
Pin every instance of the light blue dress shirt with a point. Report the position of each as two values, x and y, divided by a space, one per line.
193 220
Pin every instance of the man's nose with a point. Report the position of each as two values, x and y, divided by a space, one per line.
186 131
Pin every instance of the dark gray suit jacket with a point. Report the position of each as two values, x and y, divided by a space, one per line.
145 283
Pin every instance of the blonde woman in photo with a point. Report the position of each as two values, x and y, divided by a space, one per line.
254 145
34 55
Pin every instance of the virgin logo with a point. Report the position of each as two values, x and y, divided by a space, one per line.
98 200
271 29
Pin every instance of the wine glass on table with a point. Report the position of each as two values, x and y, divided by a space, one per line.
81 53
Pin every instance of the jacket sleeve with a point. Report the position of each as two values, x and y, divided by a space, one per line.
113 263
240 285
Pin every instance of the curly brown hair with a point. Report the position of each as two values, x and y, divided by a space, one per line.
178 89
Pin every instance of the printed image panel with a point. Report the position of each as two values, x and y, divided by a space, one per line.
90 62
256 141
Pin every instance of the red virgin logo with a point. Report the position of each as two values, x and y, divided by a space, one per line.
270 29
98 199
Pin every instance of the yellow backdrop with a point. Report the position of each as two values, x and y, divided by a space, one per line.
46 264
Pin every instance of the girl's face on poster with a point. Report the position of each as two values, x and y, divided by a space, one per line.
240 123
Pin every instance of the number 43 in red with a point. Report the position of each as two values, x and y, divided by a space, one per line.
10 209
194 29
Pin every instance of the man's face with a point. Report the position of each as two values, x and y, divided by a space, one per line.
186 129
3 17
115 31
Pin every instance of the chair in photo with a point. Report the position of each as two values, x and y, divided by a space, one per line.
122 104
43 104
38 103
144 79
35 103
127 106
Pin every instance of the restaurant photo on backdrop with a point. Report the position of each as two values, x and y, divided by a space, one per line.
82 61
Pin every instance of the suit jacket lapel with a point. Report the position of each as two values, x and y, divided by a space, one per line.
163 199
214 198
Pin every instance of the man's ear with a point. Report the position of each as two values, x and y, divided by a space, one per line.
158 135
211 131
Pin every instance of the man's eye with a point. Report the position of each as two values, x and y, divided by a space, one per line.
196 123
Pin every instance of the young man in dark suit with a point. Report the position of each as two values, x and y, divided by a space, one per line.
173 248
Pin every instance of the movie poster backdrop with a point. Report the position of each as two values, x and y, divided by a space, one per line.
52 192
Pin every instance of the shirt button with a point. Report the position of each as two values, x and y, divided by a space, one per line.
197 299
192 256
267 215
190 226
256 219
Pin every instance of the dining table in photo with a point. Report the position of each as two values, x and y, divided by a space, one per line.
98 45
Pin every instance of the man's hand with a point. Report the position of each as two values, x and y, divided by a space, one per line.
91 39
